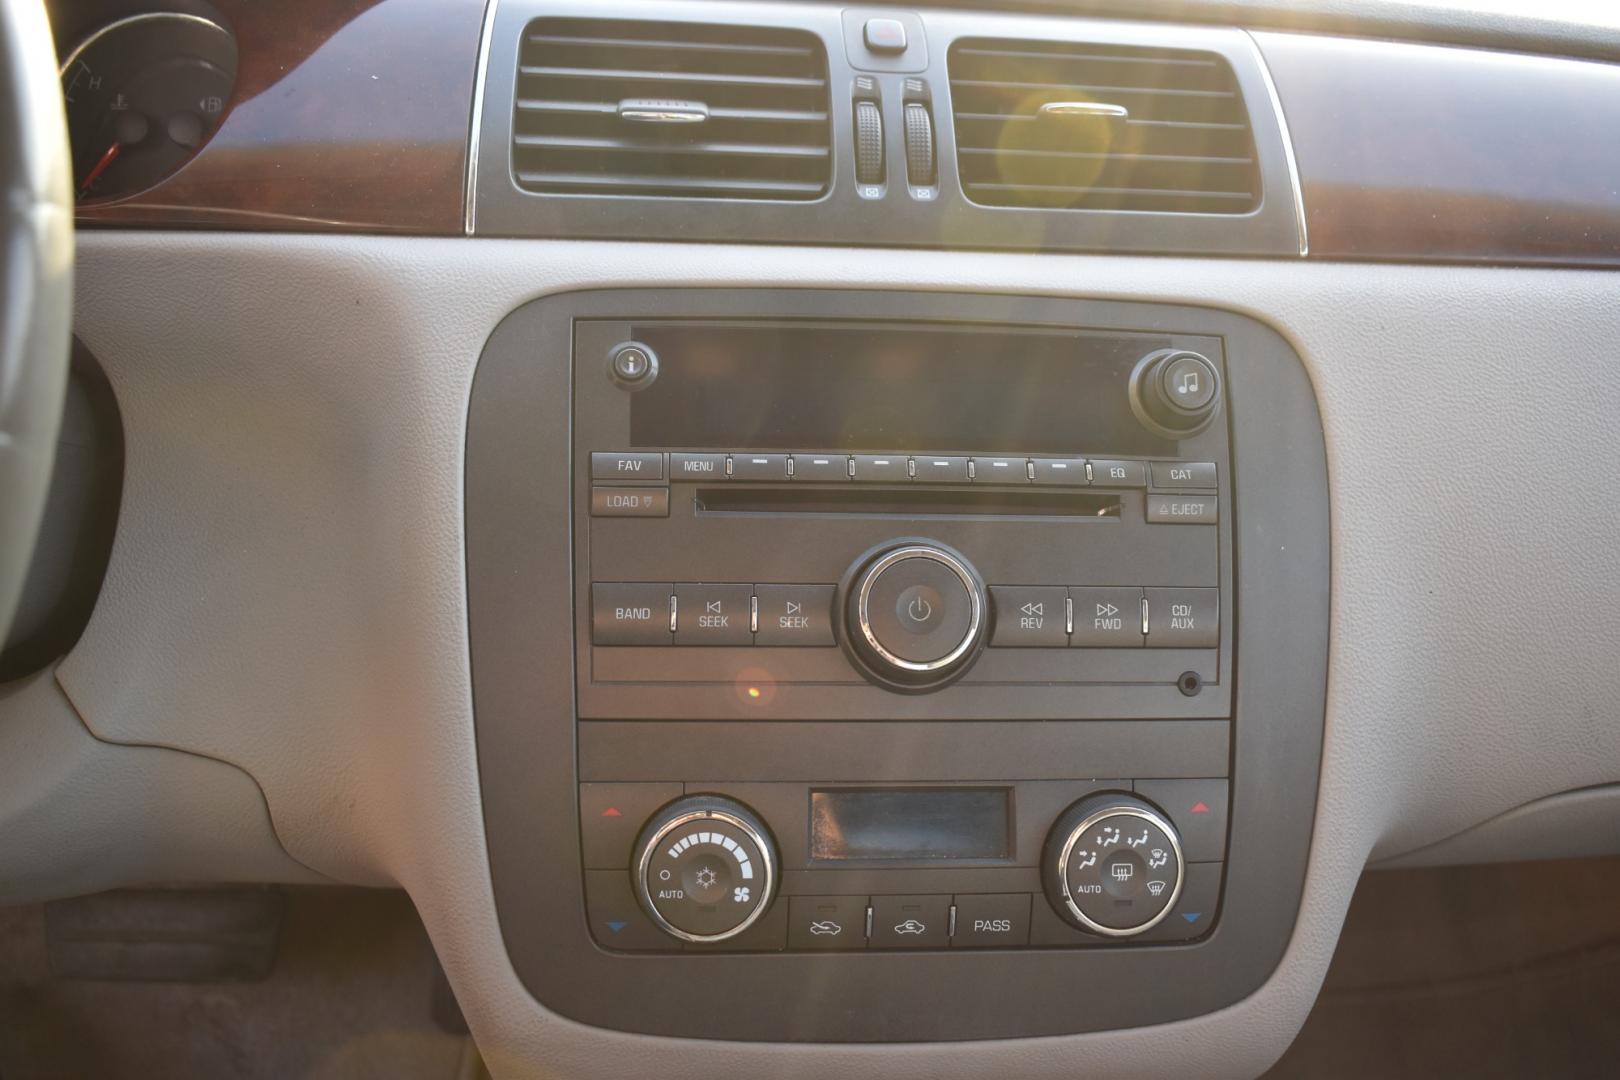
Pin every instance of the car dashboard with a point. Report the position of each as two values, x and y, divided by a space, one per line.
826 540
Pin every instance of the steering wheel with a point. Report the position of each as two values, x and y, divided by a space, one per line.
36 282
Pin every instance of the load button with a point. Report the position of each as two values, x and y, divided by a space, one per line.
1184 618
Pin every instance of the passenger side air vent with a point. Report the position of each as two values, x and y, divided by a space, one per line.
1099 127
616 107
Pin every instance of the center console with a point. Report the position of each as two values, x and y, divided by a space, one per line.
893 666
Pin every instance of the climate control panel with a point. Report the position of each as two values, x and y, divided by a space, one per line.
1027 864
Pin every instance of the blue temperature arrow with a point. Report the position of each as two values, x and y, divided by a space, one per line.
617 926
1191 916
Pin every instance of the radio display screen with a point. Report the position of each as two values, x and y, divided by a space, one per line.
925 387
911 823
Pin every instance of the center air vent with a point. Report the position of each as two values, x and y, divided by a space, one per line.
1096 127
616 107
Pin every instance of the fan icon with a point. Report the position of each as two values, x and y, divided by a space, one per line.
740 895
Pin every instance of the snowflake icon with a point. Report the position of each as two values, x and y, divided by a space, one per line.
706 877
740 895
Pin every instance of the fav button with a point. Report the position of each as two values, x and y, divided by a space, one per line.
714 614
988 922
911 922
794 614
627 466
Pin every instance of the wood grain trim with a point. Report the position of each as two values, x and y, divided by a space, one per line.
1422 153
350 116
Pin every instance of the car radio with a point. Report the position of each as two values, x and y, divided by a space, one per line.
890 644
808 519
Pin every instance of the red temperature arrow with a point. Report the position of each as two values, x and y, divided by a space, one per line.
1200 808
613 811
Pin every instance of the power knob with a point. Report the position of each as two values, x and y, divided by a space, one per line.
1175 393
1113 865
705 869
916 615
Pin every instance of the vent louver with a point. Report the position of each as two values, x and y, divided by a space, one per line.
1097 127
618 107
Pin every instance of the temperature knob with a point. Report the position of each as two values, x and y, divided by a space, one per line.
707 868
1113 865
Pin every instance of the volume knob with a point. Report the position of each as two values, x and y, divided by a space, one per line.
916 614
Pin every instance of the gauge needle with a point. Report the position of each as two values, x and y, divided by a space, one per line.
100 167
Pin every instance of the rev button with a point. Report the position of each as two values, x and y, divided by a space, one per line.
714 614
1029 616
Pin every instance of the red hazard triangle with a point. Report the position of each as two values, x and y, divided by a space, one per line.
1200 808
613 811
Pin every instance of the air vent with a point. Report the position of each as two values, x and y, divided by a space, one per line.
614 107
1095 127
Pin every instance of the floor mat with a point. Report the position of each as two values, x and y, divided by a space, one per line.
350 998
1479 972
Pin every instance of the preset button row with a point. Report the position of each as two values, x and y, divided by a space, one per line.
1108 617
642 613
900 468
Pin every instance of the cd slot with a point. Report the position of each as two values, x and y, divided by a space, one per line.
943 502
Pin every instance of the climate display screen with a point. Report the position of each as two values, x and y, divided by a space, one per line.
910 823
